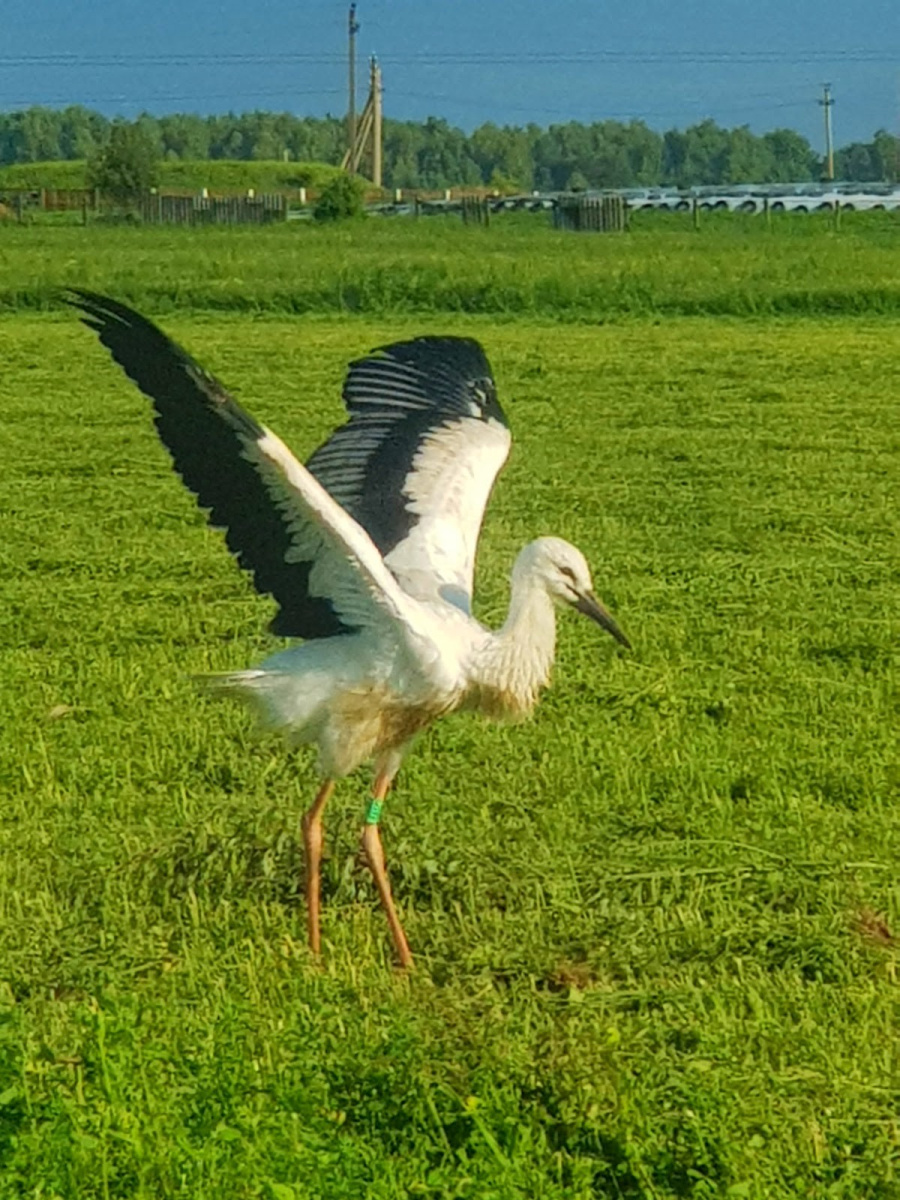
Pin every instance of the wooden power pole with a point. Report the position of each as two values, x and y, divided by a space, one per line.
827 101
375 93
353 30
368 129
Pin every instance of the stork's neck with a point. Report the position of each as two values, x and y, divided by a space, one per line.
517 661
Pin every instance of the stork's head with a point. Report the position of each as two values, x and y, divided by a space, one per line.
567 577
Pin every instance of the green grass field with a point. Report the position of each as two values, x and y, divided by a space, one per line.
654 926
518 268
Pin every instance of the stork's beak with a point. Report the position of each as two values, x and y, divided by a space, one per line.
591 607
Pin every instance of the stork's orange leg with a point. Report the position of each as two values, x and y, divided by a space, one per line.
312 845
371 842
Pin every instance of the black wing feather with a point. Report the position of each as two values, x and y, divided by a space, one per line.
395 396
201 426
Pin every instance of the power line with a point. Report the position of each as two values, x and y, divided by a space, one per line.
623 115
475 58
688 58
122 98
534 111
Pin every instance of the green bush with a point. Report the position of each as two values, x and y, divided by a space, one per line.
340 199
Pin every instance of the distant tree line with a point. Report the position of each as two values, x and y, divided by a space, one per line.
434 154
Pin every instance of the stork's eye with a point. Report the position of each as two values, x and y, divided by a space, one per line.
568 572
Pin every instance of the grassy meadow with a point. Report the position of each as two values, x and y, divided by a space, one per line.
518 268
654 927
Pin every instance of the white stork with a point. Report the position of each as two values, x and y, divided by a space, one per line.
369 551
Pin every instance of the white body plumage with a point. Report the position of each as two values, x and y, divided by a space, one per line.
363 697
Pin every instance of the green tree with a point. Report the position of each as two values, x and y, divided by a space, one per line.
562 152
748 158
877 161
127 164
265 136
403 142
854 162
317 139
503 154
644 148
81 133
793 159
184 135
434 154
227 138
697 155
444 160
31 135
610 165
886 156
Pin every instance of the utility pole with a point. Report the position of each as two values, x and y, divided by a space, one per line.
353 30
826 102
367 129
375 93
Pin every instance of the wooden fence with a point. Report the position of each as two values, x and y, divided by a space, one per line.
68 199
155 208
577 211
161 209
581 212
476 210
603 214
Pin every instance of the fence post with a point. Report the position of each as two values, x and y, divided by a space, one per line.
695 210
837 215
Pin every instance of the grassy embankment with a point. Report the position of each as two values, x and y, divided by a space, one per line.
219 175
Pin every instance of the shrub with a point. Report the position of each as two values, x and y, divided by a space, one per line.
340 199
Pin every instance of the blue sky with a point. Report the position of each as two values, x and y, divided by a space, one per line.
668 62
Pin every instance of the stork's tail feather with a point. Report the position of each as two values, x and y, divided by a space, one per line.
227 682
273 698
242 685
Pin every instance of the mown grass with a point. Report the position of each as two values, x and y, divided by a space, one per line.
654 926
519 267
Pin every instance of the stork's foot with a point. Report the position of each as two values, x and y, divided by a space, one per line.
312 846
374 854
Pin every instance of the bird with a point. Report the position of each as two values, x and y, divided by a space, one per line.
369 552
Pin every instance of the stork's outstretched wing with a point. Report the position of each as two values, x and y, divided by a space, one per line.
413 467
301 546
416 462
